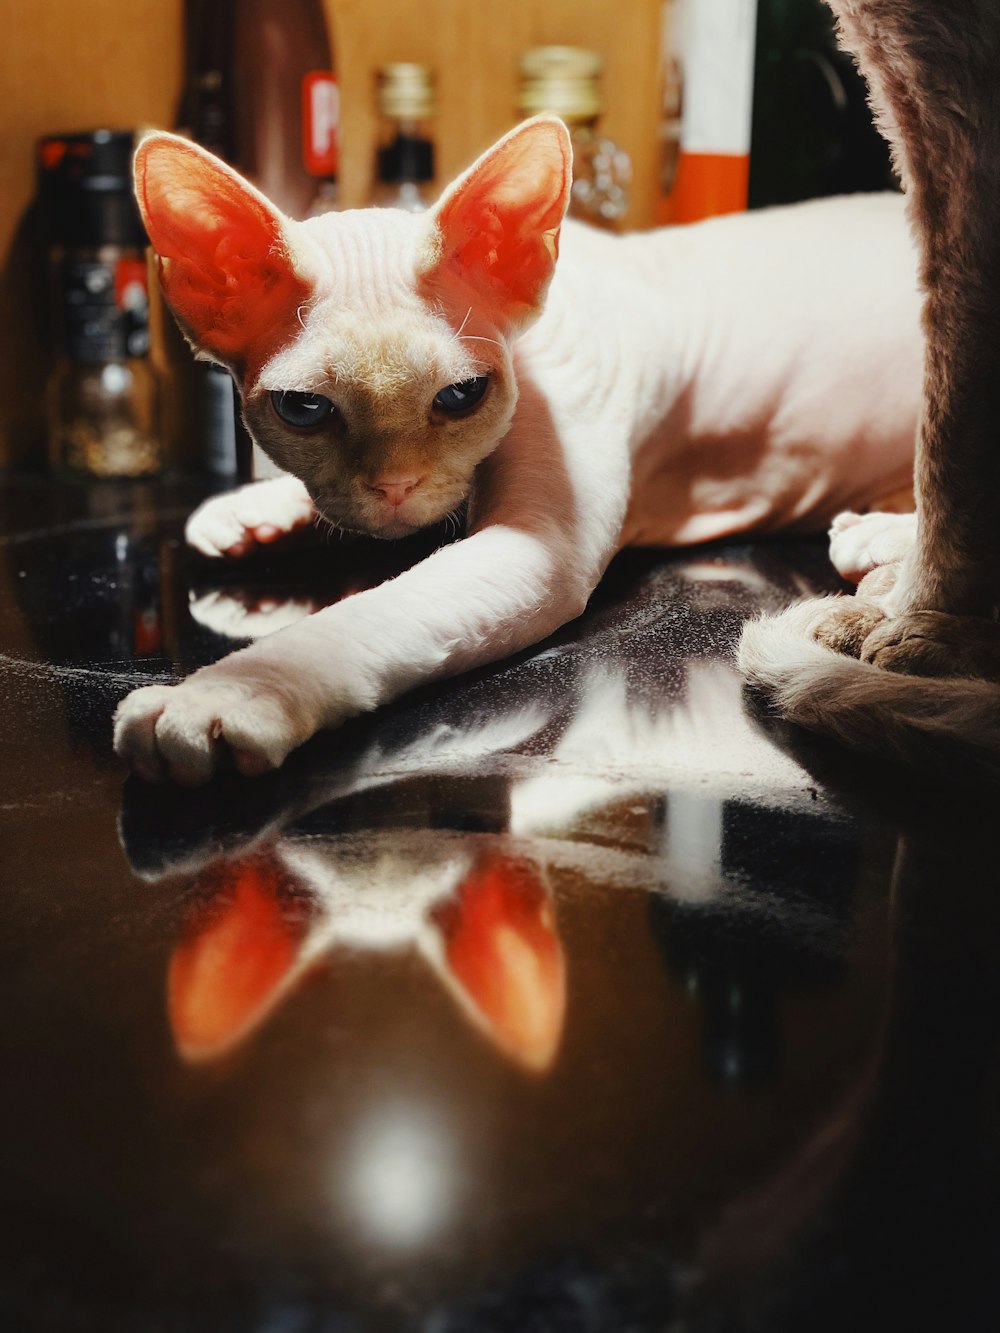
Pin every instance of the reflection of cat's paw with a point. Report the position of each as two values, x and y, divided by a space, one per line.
182 731
234 523
930 643
860 543
237 615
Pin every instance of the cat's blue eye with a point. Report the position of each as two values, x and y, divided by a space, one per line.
462 397
302 410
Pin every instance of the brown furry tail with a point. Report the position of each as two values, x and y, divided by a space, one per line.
948 725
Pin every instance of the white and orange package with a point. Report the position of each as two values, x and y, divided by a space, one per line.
713 43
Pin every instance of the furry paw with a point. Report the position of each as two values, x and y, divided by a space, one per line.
860 543
234 523
846 623
182 731
930 643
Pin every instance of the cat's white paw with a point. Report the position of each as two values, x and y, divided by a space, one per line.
860 543
234 523
182 731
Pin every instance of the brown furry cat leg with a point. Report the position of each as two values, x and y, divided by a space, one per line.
932 69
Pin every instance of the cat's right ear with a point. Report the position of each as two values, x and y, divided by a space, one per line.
228 263
495 231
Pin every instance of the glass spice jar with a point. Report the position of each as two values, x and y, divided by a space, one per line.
103 392
565 80
405 160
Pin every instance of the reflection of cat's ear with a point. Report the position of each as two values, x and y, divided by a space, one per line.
501 956
496 229
237 957
228 263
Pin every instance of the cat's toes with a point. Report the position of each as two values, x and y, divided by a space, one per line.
846 624
184 731
847 518
135 730
860 543
234 523
930 643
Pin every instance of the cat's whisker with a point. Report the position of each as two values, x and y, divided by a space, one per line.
453 521
326 526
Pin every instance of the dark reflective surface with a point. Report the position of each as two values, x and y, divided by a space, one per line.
572 995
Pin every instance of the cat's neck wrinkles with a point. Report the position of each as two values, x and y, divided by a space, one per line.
370 256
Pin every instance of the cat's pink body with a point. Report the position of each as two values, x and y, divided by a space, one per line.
726 348
750 374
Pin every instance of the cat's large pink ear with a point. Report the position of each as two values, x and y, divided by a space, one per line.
228 265
496 229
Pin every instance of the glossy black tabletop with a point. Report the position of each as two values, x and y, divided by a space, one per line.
578 994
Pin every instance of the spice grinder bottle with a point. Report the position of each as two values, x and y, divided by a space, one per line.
103 391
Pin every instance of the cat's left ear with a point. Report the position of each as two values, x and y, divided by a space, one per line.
496 229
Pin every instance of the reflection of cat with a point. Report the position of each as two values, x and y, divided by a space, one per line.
928 599
665 389
600 782
484 923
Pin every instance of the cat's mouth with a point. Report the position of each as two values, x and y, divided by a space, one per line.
391 522
389 527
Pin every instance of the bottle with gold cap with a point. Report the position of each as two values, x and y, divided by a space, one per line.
405 159
565 80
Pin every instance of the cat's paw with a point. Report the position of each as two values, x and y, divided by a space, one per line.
235 523
930 643
860 543
845 624
183 731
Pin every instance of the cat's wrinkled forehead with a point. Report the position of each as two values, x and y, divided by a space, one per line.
369 257
374 352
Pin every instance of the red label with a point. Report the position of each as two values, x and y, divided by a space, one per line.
320 120
131 288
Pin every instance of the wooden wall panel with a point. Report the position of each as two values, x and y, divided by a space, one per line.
77 64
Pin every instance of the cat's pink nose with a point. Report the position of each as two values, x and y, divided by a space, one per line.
394 490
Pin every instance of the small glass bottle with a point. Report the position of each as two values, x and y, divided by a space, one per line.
565 80
287 103
103 392
405 159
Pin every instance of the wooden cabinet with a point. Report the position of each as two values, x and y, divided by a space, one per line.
76 64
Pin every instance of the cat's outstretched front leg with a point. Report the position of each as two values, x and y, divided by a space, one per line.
498 591
235 523
546 522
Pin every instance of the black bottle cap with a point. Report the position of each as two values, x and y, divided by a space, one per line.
406 159
85 189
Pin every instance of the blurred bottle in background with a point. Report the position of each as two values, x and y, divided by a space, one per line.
708 92
207 104
103 392
260 92
404 164
565 80
206 414
287 103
